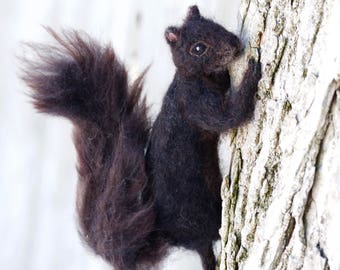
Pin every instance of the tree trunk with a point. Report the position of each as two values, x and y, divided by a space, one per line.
282 189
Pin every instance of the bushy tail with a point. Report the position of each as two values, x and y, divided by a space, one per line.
86 83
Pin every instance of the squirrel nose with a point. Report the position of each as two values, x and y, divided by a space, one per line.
239 50
237 45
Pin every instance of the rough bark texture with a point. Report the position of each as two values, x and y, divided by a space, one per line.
281 194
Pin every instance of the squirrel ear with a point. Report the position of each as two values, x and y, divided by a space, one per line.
172 35
193 13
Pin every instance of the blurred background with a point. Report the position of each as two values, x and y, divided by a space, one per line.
37 161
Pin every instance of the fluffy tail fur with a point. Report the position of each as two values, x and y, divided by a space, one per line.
85 82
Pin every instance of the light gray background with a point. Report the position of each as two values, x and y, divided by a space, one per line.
37 161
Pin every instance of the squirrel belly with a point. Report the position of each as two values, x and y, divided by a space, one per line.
142 189
182 163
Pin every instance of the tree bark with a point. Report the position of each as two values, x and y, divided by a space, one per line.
281 194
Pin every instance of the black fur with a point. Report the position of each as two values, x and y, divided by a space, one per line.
132 206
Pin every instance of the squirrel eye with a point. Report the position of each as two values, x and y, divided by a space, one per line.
198 49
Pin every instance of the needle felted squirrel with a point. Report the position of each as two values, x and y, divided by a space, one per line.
142 189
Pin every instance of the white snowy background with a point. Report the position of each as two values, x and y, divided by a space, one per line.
37 161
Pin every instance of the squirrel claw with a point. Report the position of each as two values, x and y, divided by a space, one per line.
251 61
254 67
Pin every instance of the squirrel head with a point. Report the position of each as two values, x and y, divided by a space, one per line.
201 46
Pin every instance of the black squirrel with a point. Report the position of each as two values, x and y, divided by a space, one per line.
142 189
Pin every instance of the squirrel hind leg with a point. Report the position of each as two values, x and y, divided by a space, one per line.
207 257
